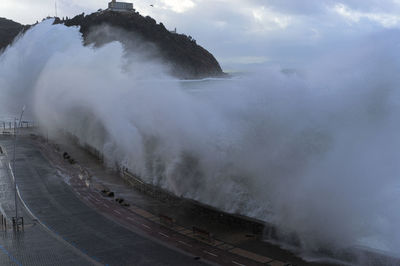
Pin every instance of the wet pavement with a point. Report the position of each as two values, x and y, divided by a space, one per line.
236 240
72 232
34 245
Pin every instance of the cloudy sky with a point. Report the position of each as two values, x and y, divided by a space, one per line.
240 32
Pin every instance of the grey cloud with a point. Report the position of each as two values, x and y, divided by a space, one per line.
312 7
228 28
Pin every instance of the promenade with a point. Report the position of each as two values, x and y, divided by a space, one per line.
63 229
35 245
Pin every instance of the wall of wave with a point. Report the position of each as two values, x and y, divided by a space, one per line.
315 151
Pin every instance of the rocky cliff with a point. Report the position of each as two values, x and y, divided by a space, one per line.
8 31
184 56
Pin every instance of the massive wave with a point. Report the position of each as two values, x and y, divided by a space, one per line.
314 151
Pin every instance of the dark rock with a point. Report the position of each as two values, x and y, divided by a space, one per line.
65 155
119 200
181 53
107 193
8 31
122 202
183 56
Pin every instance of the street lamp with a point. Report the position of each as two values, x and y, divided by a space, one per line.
14 170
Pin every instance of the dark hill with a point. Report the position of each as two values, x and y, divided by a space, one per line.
8 31
186 58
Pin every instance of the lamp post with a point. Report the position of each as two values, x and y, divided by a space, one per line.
15 177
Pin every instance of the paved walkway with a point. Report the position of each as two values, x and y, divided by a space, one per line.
80 228
35 245
229 248
139 220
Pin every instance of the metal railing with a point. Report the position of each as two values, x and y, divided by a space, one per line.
8 127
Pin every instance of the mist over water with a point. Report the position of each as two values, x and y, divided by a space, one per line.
314 151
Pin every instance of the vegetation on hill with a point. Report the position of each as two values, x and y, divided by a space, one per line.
8 31
185 57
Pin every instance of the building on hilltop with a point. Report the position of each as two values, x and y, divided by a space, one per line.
120 6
